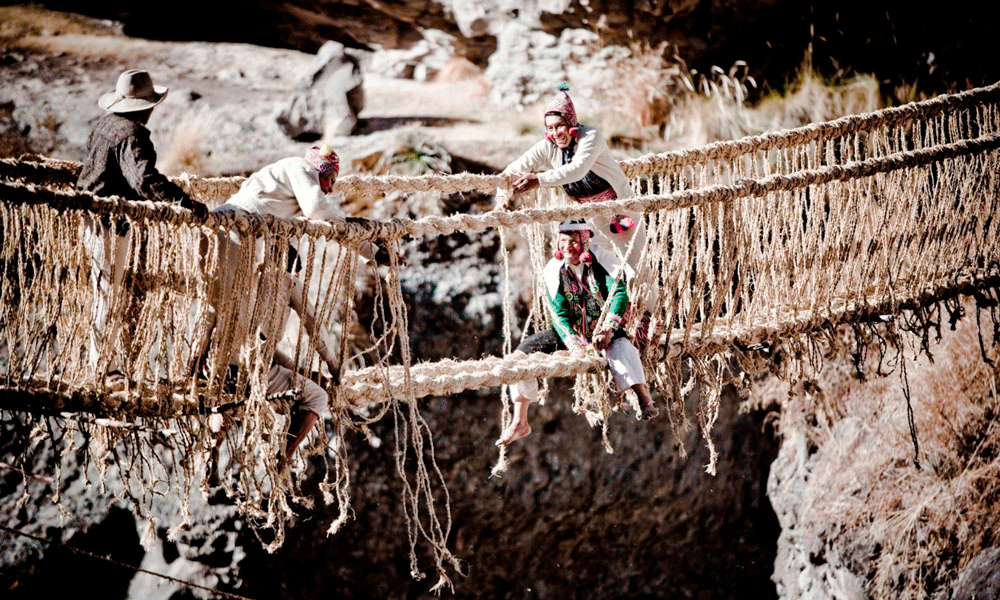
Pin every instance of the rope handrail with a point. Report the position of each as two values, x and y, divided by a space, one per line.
372 185
356 231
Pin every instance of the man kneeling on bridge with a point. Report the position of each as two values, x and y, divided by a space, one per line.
578 281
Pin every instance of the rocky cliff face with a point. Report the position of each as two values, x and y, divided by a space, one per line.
862 513
886 37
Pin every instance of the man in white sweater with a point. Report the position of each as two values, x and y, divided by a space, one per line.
291 187
577 158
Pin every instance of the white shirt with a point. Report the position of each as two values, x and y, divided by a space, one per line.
290 188
592 154
287 188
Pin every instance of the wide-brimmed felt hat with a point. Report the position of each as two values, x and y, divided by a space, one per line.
135 91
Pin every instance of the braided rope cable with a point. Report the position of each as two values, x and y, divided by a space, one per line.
355 231
754 254
220 188
34 200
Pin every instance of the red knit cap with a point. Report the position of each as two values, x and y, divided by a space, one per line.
562 106
324 159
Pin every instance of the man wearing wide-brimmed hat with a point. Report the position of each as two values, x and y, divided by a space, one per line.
120 159
121 162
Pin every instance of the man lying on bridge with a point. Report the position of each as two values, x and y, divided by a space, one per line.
578 281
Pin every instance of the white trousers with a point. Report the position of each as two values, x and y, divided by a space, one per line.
623 361
108 255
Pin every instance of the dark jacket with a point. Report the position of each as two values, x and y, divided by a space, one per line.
121 162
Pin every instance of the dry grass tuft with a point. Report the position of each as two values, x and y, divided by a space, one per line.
185 153
904 531
636 87
20 22
810 99
13 139
644 97
712 107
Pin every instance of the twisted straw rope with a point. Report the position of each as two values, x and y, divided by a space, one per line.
355 231
64 172
448 377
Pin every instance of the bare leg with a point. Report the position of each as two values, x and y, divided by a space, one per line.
646 406
300 426
519 426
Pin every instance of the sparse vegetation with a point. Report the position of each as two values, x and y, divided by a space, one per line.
904 531
13 137
636 89
646 98
185 153
19 22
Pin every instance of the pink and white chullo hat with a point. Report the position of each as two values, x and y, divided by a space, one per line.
562 106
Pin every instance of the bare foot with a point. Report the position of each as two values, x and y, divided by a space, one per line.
514 431
649 412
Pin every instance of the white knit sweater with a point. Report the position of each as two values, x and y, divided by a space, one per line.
592 154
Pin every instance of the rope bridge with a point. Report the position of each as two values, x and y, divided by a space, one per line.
756 248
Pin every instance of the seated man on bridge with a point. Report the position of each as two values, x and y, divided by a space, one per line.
121 162
578 281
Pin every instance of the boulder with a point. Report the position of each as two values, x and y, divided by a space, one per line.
980 579
527 65
328 97
420 62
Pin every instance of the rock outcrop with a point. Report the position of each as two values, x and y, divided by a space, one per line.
328 97
862 514
981 577
774 37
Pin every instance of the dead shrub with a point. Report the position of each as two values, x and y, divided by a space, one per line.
184 153
811 99
908 530
638 87
13 138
